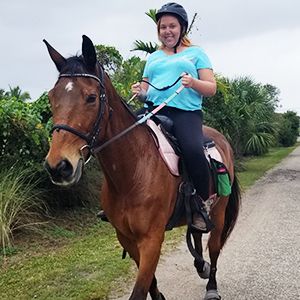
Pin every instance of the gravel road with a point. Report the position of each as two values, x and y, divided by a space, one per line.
261 259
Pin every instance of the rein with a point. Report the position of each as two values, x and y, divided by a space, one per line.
139 122
165 87
91 137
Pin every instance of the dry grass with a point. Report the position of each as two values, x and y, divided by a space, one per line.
20 204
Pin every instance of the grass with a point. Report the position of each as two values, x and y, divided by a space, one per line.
80 258
255 167
19 202
77 263
82 269
58 232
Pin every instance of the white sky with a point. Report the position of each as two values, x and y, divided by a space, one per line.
258 38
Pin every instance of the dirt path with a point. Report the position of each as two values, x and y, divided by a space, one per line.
262 257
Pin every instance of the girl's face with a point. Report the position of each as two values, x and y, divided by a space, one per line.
169 31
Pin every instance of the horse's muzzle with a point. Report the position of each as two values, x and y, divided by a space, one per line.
63 173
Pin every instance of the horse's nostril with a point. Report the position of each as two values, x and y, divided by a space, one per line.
64 168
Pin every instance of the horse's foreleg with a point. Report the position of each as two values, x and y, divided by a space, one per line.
149 252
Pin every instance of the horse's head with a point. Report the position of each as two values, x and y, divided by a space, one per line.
79 108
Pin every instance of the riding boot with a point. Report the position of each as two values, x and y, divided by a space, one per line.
101 215
201 221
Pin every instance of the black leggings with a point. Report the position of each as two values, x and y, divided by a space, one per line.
188 131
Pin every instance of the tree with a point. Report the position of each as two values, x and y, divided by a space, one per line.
15 93
131 71
244 111
288 129
147 47
109 57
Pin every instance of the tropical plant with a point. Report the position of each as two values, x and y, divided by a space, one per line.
109 57
288 129
244 112
218 110
147 47
255 111
131 71
15 92
123 73
152 14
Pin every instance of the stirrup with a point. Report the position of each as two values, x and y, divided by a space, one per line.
201 222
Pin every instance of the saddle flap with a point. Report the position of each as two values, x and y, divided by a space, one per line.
168 153
165 149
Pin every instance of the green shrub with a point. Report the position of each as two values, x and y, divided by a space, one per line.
288 129
24 131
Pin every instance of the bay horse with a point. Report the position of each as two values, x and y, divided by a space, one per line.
138 193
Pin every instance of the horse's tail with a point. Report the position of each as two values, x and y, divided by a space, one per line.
232 211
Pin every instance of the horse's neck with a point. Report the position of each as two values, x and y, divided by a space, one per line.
124 159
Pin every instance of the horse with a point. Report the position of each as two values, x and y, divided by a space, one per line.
138 193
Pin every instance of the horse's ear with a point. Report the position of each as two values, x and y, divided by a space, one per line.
89 53
57 58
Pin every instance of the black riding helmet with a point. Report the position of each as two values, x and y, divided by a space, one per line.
177 11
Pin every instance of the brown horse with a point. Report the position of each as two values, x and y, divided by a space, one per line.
139 192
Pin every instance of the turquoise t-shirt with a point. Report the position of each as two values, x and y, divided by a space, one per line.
163 70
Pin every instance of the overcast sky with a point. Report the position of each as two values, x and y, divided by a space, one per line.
256 38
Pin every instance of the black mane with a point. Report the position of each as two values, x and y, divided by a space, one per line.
75 64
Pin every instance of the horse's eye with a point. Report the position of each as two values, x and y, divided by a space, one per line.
91 98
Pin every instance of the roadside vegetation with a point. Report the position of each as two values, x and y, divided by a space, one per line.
75 256
51 244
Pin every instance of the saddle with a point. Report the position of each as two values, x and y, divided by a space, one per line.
186 203
161 127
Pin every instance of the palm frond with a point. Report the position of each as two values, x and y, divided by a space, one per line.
147 47
259 143
151 13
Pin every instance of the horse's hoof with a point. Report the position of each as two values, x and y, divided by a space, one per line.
161 297
205 272
212 295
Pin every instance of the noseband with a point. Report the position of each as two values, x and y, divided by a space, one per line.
91 137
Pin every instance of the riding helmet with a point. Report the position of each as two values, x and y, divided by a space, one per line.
174 9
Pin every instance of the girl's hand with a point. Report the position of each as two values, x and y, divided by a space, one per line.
187 80
136 88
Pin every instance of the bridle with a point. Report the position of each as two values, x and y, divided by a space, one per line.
90 137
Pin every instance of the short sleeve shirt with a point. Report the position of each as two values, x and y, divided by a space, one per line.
163 70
